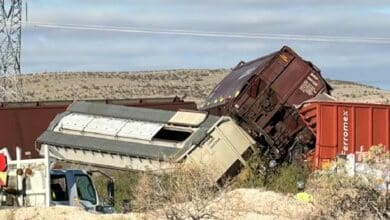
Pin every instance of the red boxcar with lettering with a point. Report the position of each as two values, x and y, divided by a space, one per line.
346 128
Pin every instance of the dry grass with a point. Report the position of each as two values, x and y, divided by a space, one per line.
184 193
338 196
195 84
355 92
181 193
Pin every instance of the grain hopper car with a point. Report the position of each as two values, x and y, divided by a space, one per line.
261 96
22 122
150 140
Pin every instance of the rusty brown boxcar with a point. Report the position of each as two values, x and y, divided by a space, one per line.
21 123
261 95
346 128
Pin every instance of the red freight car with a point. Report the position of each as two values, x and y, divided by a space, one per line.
21 123
345 128
261 95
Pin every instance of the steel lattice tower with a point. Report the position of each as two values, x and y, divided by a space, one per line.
10 44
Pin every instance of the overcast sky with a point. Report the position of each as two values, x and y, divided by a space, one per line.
58 49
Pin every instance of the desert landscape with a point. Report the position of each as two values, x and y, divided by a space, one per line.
139 110
193 84
247 200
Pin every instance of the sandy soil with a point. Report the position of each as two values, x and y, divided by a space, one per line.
237 204
355 92
194 84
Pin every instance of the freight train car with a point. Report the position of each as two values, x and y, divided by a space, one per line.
21 123
148 140
261 95
346 128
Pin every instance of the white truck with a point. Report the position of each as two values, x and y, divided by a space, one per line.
33 182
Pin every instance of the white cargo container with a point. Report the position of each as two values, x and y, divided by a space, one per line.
145 139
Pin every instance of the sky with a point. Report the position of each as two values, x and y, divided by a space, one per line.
346 39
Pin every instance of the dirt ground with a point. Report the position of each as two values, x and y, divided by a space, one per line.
237 204
194 84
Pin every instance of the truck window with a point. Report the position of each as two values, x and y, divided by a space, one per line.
58 188
85 189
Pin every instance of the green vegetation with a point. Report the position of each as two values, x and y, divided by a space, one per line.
286 178
125 184
281 179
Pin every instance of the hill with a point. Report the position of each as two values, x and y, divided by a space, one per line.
195 84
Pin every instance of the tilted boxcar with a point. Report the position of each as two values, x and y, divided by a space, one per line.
21 123
150 140
346 128
261 95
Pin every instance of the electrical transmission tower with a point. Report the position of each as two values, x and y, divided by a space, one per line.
10 43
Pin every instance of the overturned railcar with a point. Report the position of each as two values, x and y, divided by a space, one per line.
141 139
22 122
261 95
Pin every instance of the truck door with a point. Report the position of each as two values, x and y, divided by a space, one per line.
85 190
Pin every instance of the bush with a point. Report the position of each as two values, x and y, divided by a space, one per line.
281 179
125 185
343 197
253 175
182 193
286 177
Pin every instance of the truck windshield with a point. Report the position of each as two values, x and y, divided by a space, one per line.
85 189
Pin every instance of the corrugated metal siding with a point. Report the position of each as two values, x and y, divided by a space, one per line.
346 128
106 146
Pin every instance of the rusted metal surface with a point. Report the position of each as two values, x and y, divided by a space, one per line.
21 123
346 128
261 95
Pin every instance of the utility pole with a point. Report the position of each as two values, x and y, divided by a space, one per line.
10 44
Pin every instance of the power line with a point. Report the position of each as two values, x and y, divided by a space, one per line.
197 33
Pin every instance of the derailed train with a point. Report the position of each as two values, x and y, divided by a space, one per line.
22 122
261 96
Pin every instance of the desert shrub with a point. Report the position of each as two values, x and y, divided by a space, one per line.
377 154
181 193
125 185
285 178
281 178
252 175
338 196
361 196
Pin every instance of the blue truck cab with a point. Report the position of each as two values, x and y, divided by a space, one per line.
72 187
